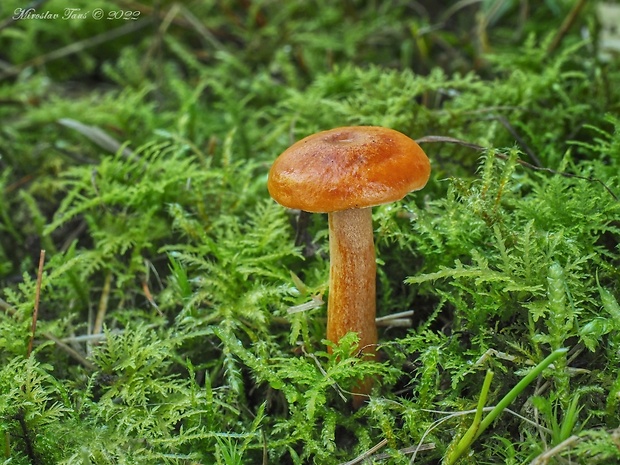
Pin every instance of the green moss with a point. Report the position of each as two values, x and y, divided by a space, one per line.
146 186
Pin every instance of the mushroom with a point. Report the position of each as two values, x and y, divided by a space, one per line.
344 172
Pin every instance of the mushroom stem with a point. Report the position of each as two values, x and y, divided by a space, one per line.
352 288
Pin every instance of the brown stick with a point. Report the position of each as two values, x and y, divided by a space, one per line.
37 296
76 47
452 140
103 304
566 25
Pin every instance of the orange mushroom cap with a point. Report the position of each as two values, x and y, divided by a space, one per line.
348 167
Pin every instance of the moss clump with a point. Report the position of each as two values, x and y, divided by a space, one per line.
170 327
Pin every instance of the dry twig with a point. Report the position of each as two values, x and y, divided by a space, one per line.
37 297
543 459
566 25
103 304
452 140
76 47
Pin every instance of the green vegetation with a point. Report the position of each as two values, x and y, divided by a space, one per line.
136 153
